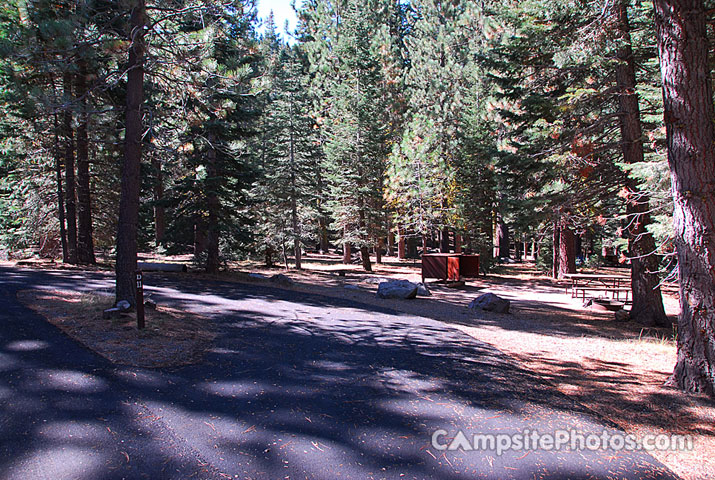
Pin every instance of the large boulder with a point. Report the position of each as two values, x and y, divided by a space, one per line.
491 303
401 289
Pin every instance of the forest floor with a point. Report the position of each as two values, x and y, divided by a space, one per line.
171 337
616 369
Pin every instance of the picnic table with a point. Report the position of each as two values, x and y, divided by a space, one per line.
613 284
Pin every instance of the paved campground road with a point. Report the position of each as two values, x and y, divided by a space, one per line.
296 386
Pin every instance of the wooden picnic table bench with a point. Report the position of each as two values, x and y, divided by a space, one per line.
594 282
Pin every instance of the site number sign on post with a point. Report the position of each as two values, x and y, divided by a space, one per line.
140 299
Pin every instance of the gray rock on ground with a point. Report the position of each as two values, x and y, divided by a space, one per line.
400 289
622 315
111 313
376 280
124 305
281 279
490 302
423 291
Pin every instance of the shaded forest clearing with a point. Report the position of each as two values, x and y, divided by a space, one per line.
616 369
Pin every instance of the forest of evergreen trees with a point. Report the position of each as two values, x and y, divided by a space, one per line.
381 127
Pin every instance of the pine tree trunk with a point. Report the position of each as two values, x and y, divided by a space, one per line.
347 251
485 243
199 237
424 243
323 232
457 243
213 259
268 255
70 186
85 242
401 247
298 254
503 239
391 243
322 220
687 95
364 250
347 254
294 194
567 252
647 306
365 258
378 250
517 249
159 210
129 200
444 240
60 190
555 267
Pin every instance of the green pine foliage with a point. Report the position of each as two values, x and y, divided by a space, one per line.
378 114
288 153
220 111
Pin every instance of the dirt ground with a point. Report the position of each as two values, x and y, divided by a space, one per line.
171 337
617 369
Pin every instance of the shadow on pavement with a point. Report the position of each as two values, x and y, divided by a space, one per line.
296 386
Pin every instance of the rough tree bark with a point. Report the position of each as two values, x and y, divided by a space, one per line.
323 232
129 200
689 115
60 191
503 239
85 242
555 264
347 254
457 243
159 210
444 240
364 250
199 236
567 251
401 250
647 306
347 250
213 205
297 253
70 186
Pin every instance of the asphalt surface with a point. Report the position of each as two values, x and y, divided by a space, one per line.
296 386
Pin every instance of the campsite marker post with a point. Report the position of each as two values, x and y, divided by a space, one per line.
140 299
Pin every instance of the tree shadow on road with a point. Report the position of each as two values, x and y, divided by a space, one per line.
297 385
